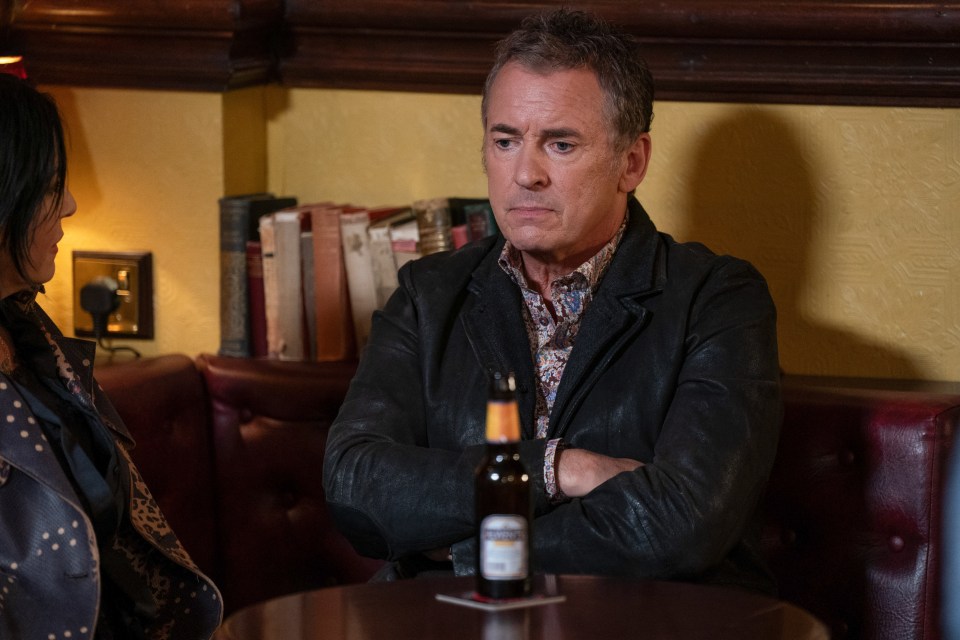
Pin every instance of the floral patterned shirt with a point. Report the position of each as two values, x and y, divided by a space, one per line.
551 339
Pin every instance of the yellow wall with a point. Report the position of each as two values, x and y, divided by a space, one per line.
147 168
852 213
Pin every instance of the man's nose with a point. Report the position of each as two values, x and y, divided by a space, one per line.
531 168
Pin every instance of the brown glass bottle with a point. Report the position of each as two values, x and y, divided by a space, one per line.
503 500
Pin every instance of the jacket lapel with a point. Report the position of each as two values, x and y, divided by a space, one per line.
495 329
81 353
494 325
615 316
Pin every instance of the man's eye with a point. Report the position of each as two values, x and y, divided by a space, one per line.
502 143
562 146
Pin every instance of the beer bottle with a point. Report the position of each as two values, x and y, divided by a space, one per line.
503 500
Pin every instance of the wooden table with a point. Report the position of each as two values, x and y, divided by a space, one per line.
596 608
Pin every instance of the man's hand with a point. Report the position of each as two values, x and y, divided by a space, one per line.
580 471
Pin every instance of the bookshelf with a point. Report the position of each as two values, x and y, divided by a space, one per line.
816 51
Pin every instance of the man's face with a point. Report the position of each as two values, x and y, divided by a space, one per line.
557 187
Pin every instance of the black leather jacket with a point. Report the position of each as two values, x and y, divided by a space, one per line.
50 561
675 365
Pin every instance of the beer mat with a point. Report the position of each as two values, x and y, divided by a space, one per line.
472 600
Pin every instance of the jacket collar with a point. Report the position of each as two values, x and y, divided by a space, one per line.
80 354
616 314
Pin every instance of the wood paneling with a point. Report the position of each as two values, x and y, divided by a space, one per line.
209 45
808 51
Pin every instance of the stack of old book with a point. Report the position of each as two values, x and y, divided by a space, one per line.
301 282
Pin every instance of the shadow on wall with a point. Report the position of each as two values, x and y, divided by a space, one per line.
80 167
753 195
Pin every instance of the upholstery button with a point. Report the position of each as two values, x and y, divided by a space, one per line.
788 537
847 457
245 416
897 543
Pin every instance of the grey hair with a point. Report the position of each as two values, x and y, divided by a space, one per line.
566 39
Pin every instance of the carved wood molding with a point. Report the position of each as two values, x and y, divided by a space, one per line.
209 45
806 51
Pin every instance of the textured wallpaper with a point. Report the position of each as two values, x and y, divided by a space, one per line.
852 214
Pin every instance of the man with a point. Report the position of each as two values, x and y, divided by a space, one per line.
647 370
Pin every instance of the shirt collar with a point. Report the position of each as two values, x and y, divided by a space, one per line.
586 276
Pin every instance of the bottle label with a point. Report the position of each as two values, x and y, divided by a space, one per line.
503 547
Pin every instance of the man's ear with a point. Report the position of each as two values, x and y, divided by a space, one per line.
636 161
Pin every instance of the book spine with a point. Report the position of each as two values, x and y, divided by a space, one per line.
286 227
270 286
234 326
335 334
384 265
361 279
308 295
258 314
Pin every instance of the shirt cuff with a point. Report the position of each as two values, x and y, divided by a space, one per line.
550 455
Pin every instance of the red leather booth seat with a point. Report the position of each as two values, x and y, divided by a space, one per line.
163 402
854 507
232 450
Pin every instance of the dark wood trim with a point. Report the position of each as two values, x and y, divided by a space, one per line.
880 52
808 51
207 45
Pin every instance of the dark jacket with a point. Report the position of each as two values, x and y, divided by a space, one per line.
675 365
49 560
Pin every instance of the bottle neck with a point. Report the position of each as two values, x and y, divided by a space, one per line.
503 422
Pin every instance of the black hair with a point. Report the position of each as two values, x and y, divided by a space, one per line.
33 164
566 39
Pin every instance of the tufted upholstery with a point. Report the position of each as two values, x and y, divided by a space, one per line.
232 448
270 422
854 507
164 405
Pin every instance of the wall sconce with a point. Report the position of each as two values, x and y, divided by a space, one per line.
14 66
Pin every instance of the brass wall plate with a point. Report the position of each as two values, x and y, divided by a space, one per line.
132 271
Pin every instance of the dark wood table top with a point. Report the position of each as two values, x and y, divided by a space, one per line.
595 608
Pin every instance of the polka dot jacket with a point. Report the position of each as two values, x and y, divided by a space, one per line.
49 575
